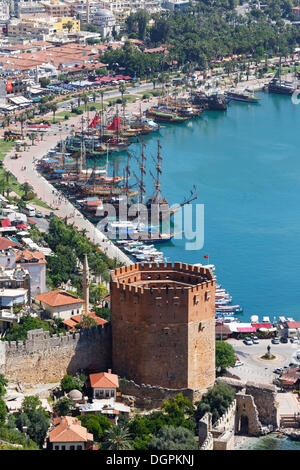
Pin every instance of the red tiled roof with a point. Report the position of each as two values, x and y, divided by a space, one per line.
31 257
68 429
58 298
5 243
104 380
76 319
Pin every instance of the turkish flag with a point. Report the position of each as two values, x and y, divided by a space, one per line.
206 256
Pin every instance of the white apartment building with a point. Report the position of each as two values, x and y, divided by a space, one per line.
4 13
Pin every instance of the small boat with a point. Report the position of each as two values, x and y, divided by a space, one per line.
229 308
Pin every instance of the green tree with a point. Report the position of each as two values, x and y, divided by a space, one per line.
34 418
3 412
117 438
173 438
64 407
225 355
27 189
86 322
53 107
69 382
44 82
96 425
3 383
216 401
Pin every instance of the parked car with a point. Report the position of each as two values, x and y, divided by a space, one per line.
39 214
275 341
248 341
294 339
284 339
298 354
255 340
293 364
279 370
238 362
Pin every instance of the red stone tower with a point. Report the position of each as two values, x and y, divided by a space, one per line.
163 325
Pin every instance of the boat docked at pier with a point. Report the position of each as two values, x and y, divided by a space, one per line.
214 101
279 86
244 96
160 114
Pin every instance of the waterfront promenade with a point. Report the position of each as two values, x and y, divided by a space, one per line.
24 170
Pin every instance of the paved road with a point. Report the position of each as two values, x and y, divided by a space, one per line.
130 90
256 369
24 170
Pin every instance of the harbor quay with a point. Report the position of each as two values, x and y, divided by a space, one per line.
25 171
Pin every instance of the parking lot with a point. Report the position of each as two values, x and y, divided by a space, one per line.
261 370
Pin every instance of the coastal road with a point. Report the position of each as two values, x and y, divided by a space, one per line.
24 170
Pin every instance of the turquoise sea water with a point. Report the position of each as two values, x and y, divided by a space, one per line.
245 163
271 442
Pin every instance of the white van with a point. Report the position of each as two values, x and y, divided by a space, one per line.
29 210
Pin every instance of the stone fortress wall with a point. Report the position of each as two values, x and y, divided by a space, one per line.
45 358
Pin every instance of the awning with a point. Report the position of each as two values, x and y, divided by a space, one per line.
246 329
5 223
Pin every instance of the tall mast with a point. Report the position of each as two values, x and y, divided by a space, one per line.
156 179
143 172
127 174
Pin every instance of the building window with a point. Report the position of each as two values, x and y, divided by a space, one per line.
72 447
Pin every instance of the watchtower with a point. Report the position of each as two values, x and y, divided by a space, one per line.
163 325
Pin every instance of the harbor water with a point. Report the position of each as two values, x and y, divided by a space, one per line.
270 442
245 163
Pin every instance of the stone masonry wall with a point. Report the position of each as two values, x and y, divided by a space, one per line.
45 358
149 397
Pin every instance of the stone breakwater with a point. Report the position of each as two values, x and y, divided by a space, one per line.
45 358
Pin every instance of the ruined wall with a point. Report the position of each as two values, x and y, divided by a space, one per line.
219 436
45 358
247 419
265 400
149 396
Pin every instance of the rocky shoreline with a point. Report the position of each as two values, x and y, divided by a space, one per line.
292 433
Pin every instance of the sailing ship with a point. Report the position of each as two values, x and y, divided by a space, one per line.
279 86
211 102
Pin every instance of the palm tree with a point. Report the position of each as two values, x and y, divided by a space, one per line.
69 26
122 89
32 137
22 119
26 188
117 438
85 100
53 107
